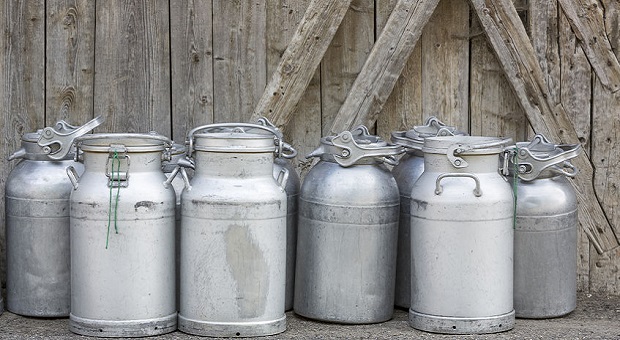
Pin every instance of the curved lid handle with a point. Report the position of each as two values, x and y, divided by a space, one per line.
56 141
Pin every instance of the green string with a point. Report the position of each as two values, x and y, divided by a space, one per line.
116 160
515 182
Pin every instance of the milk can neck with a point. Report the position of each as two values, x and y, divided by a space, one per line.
232 164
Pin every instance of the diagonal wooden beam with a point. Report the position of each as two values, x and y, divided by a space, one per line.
516 55
586 20
300 60
384 65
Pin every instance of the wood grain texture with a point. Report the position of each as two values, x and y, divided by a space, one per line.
403 107
70 61
575 92
132 65
445 59
303 130
518 59
384 65
299 62
494 109
191 56
22 86
605 268
239 53
586 19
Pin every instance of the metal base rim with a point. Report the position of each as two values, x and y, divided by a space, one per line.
232 329
125 328
461 325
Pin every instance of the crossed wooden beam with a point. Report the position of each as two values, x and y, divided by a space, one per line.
388 57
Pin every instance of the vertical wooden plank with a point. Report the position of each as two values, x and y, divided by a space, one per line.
575 93
494 110
70 61
22 86
605 268
403 109
191 54
345 58
304 130
445 60
239 54
132 65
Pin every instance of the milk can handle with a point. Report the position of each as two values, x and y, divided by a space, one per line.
73 176
279 144
439 188
178 169
282 178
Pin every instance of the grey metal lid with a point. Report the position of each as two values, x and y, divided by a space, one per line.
456 146
414 138
126 142
357 146
541 158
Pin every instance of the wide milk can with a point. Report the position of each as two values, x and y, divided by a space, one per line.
348 225
545 272
37 195
462 239
410 167
293 184
122 237
233 234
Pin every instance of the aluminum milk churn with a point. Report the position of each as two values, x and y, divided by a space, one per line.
348 225
462 238
37 221
122 237
545 249
292 193
233 234
408 170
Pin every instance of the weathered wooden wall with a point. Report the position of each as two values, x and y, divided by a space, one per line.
172 65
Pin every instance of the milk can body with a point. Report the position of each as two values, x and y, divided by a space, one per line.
122 238
545 282
406 172
346 246
233 236
37 222
461 239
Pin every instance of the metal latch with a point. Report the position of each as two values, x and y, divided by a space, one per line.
117 166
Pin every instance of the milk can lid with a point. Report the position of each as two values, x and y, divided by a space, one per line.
234 141
540 158
433 127
128 142
357 146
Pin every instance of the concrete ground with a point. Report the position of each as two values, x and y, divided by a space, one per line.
596 317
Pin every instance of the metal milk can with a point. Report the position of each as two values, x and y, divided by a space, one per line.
462 239
292 188
410 167
233 234
122 237
348 225
37 221
545 270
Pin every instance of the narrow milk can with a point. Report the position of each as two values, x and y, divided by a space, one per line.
233 234
122 237
178 171
408 170
292 188
462 239
545 270
348 225
37 221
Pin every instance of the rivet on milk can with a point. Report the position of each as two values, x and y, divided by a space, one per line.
122 237
347 230
233 234
292 193
408 170
37 195
545 271
462 238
